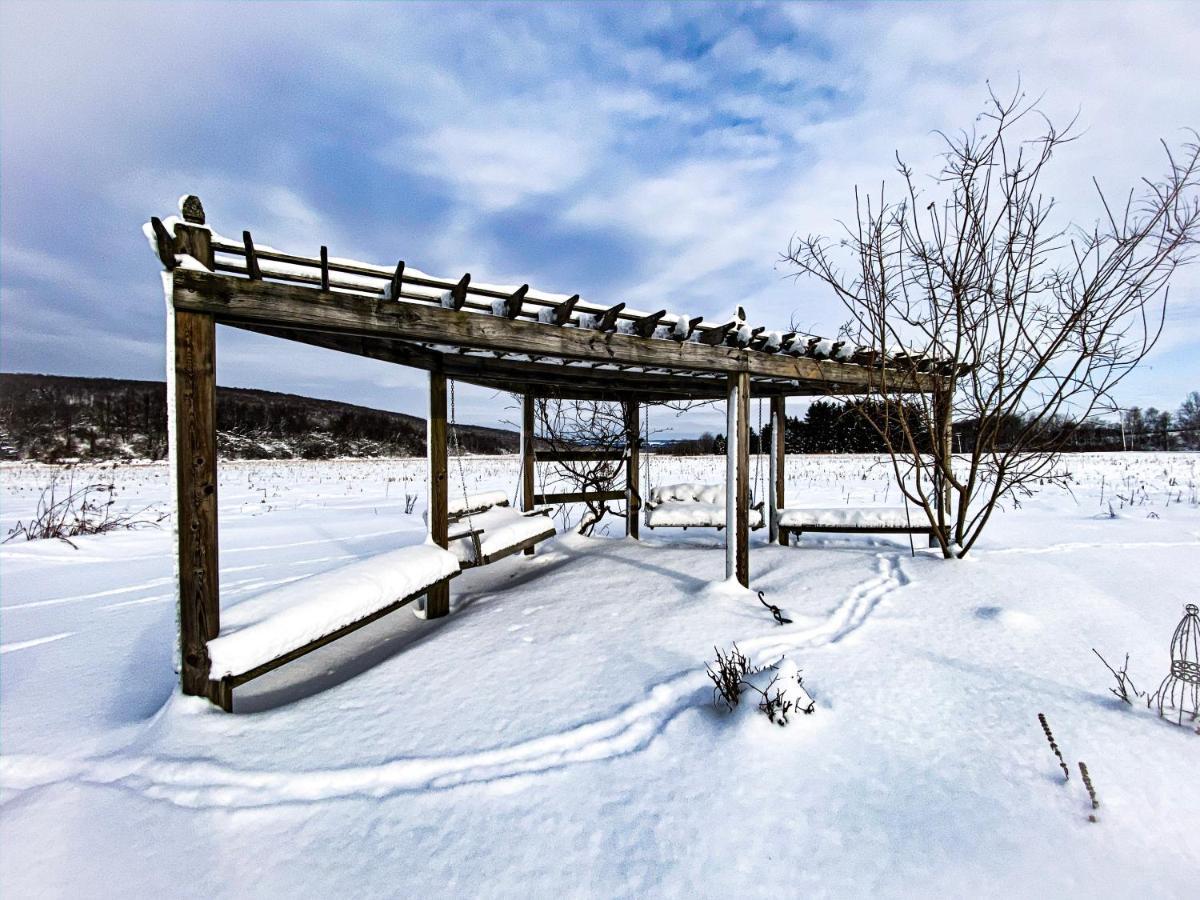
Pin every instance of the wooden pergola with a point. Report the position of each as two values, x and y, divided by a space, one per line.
519 340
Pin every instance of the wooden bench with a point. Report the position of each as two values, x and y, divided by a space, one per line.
275 628
693 506
796 521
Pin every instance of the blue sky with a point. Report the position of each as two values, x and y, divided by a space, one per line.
657 154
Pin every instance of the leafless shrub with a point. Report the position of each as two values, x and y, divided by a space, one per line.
1125 686
82 511
729 676
576 424
1032 323
410 503
732 677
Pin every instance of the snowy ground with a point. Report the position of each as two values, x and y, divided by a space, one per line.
555 735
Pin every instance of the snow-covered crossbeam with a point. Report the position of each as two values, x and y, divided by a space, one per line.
270 626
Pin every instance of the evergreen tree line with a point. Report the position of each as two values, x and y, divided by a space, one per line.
831 427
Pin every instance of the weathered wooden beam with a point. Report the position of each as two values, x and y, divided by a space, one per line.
562 312
750 339
737 484
164 243
397 285
644 327
715 336
512 306
527 455
633 494
585 455
458 294
194 458
777 485
688 329
608 321
578 497
252 268
437 600
236 300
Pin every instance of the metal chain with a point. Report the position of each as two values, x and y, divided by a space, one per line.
758 456
462 477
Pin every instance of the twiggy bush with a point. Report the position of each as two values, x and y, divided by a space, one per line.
83 511
732 676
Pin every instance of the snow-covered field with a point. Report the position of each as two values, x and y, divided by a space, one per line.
556 736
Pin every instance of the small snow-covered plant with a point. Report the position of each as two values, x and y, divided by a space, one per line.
1054 746
728 676
732 677
410 502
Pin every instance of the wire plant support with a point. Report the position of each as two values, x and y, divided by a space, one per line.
1180 690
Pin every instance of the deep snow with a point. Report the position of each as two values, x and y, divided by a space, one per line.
555 735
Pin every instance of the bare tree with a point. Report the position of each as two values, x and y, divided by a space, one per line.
582 424
1033 323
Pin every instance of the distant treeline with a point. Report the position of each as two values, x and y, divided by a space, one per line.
51 418
829 427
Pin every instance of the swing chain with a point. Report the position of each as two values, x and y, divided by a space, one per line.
462 476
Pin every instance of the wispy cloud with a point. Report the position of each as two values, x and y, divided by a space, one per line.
658 154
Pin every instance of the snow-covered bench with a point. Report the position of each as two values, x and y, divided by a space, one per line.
281 625
495 530
849 519
692 505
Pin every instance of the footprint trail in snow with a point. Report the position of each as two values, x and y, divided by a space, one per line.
203 784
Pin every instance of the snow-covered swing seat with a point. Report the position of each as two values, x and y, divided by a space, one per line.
794 521
691 505
494 529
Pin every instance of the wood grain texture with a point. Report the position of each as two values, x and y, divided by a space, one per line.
527 456
195 465
233 300
778 488
633 492
741 535
437 600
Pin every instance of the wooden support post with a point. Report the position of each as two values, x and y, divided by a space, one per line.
778 455
737 479
194 459
437 601
192 360
527 457
633 494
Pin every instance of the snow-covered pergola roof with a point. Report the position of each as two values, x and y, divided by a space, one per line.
507 337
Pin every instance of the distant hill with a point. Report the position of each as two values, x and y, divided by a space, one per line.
53 417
